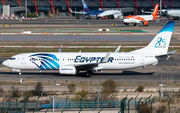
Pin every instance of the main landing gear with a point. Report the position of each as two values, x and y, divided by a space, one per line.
88 73
134 24
126 23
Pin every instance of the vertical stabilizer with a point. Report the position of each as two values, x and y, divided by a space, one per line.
86 9
160 44
155 11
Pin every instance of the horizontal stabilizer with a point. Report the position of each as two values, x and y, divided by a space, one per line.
169 53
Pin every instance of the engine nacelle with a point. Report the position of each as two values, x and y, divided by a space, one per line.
145 23
67 70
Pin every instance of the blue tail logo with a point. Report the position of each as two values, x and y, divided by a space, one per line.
45 61
161 43
85 6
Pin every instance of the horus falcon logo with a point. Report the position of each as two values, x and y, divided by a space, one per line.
45 61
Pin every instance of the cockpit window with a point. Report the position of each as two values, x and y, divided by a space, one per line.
12 58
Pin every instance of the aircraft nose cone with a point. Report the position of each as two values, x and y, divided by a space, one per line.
5 63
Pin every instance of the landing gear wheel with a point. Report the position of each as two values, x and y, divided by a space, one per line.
88 73
134 24
126 23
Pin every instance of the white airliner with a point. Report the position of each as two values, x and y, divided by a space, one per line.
73 62
98 13
174 13
142 19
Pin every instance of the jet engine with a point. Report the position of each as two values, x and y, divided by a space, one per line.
145 23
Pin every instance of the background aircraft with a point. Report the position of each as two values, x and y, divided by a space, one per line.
73 62
171 13
142 19
111 14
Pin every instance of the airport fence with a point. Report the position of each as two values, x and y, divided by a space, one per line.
125 104
123 101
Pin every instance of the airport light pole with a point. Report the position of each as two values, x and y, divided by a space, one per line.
26 8
119 88
53 103
160 8
98 96
171 88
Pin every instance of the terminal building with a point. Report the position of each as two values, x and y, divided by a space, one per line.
43 6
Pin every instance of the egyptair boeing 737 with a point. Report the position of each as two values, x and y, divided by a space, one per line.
141 19
72 63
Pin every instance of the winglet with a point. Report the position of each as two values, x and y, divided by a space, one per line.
117 49
106 57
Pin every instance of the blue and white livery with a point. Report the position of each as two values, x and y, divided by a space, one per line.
72 63
99 13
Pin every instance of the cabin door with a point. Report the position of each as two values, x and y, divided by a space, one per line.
142 59
23 59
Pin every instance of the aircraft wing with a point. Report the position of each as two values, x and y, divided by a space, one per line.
148 12
92 65
77 12
86 66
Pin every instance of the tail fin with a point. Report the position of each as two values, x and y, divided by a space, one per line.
155 11
86 9
159 45
70 10
163 5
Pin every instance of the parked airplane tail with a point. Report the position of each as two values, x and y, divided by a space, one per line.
155 11
86 9
159 45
